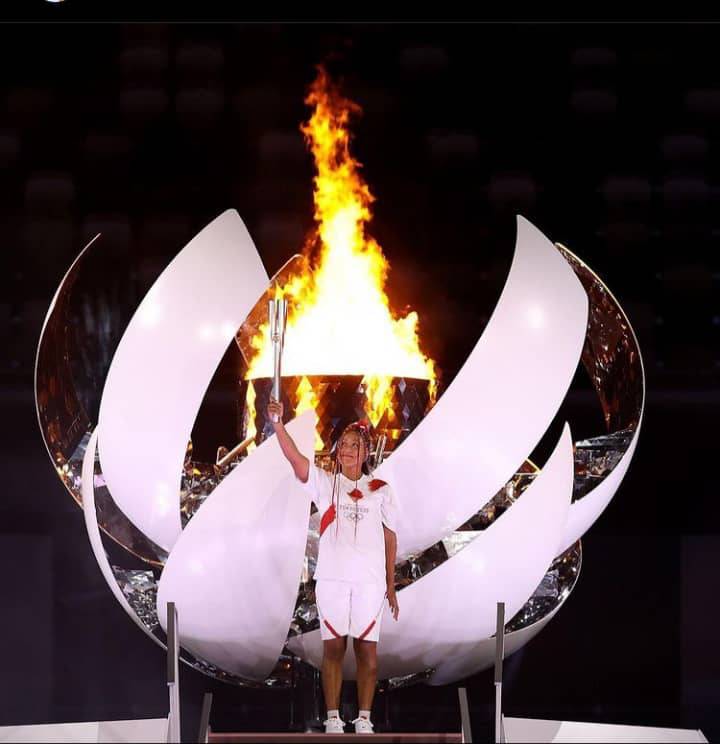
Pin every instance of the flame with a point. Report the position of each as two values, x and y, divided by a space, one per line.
378 392
339 317
308 400
250 412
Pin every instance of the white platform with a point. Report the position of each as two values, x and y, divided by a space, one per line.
139 730
538 730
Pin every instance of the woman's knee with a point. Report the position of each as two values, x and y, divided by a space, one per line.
366 654
334 649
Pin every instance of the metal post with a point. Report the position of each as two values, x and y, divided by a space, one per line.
499 656
465 730
173 674
311 699
204 727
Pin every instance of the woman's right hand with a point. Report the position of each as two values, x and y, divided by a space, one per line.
275 408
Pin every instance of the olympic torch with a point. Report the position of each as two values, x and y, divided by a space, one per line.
277 316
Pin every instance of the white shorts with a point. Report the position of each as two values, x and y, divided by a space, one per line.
345 608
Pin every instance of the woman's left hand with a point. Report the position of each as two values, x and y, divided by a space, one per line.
392 601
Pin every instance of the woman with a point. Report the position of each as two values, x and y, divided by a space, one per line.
356 561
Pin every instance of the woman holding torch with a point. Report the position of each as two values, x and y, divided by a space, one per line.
356 560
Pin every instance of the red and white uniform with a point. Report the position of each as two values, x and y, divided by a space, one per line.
350 572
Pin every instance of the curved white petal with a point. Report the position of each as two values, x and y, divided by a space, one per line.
584 512
474 657
91 523
500 403
446 613
163 365
234 571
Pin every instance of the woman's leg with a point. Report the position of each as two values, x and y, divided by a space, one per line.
366 658
333 654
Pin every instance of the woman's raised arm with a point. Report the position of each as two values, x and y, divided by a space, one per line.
300 463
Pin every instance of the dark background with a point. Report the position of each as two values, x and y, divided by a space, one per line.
606 136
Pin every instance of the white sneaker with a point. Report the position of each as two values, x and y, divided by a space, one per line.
334 725
363 726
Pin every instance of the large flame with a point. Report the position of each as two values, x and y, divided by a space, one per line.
340 321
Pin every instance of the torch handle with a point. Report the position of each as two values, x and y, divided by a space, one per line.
277 359
277 315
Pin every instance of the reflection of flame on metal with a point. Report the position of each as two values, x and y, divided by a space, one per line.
338 400
340 321
379 400
249 417
225 457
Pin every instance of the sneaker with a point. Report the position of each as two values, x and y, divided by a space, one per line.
363 726
334 725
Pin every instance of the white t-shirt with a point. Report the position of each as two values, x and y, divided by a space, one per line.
352 541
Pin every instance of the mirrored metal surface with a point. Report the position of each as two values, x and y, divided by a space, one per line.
552 591
611 354
406 680
596 457
84 324
339 400
140 590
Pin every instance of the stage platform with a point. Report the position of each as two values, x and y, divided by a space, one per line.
536 730
381 738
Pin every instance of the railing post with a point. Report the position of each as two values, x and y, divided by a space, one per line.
173 674
465 730
204 727
499 656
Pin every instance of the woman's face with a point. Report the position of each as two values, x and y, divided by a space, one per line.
351 450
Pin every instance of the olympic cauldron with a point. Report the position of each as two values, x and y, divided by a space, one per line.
234 546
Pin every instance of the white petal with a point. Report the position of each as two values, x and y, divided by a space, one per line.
163 365
501 401
234 572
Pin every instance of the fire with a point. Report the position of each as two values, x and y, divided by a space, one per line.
250 428
340 321
378 389
307 400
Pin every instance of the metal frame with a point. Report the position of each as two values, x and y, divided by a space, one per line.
499 657
173 674
204 727
465 730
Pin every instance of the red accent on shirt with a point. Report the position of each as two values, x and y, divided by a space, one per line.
376 483
327 519
355 494
365 632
